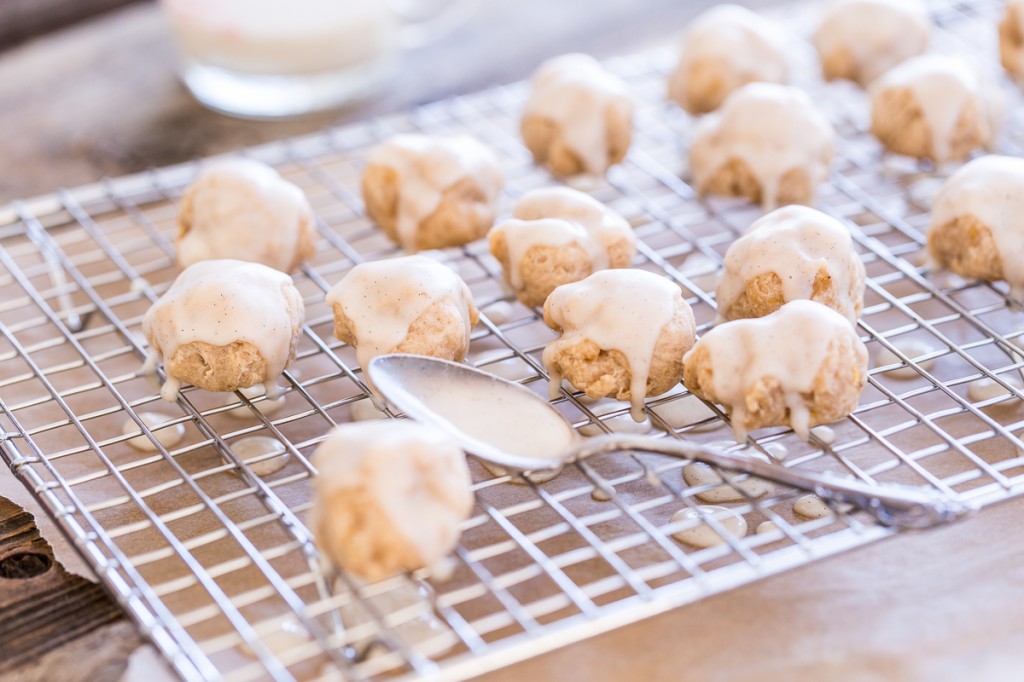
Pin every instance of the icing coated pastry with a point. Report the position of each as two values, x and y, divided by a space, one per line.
578 118
225 325
410 304
430 192
388 496
1011 38
790 254
767 142
801 366
976 227
559 236
244 210
859 40
934 107
623 335
724 48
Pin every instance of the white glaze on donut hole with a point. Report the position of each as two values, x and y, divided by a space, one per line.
698 533
243 209
767 142
558 236
225 325
801 366
724 48
430 192
578 117
792 253
976 228
410 304
623 333
935 107
388 496
860 40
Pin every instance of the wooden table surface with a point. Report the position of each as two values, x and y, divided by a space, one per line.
101 99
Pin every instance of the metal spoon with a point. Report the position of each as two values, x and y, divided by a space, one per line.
509 425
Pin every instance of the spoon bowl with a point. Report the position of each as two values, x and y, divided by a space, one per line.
497 420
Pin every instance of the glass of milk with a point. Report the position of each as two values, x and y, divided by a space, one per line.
274 58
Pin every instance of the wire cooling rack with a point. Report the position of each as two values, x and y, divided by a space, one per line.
214 562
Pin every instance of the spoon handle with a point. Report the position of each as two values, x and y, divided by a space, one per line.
893 505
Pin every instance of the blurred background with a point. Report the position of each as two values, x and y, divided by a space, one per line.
88 88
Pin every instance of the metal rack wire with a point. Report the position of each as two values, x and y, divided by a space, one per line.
214 562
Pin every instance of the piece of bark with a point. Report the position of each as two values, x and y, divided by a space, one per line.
54 626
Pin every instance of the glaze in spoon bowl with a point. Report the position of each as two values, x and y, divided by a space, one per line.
509 425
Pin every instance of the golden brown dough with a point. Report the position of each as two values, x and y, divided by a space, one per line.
859 40
735 179
975 228
545 139
900 124
463 216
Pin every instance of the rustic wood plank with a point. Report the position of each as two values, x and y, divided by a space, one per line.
53 625
23 19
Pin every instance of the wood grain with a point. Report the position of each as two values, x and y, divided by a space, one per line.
54 626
